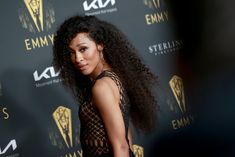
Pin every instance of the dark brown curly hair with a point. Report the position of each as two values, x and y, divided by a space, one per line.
120 54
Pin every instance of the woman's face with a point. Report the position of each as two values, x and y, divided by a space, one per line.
86 55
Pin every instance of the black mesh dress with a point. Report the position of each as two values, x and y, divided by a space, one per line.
93 136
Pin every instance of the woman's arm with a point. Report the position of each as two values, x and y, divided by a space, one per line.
105 96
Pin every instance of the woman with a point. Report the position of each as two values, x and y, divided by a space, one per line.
110 82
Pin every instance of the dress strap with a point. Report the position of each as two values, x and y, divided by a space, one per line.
113 76
102 74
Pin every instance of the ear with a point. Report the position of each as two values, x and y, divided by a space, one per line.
100 47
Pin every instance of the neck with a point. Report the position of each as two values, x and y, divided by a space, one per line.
98 70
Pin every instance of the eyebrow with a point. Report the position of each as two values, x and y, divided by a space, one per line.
77 45
80 44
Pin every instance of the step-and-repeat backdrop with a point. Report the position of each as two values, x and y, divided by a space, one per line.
38 116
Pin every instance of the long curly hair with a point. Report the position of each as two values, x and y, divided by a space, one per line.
120 54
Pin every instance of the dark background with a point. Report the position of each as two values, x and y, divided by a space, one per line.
208 62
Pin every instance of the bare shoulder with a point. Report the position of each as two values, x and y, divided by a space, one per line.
104 84
105 89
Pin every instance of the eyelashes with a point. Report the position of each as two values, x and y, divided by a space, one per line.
83 49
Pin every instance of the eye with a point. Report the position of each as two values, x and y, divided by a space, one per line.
71 53
83 49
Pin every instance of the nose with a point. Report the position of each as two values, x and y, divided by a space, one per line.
79 57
